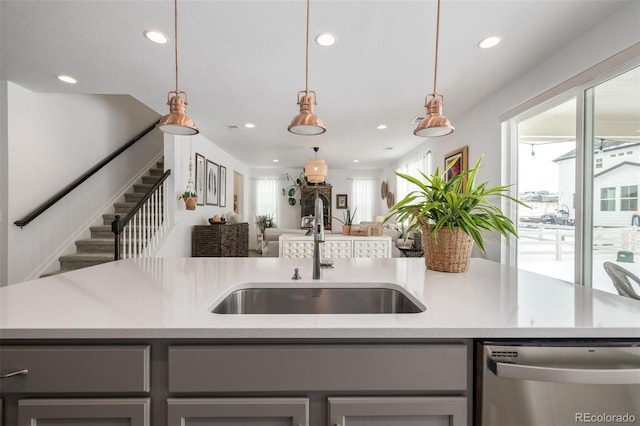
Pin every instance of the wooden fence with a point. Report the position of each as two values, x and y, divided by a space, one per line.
559 240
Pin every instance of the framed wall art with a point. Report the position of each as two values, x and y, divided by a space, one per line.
222 193
212 183
341 201
200 172
459 157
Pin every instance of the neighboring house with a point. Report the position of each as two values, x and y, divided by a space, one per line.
616 181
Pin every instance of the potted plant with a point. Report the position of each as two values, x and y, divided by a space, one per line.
452 214
190 199
347 221
290 191
264 221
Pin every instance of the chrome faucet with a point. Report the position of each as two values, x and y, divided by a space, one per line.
318 237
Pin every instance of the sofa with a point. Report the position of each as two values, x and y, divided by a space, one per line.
271 240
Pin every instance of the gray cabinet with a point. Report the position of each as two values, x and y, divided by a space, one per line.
238 411
397 411
425 384
65 384
87 412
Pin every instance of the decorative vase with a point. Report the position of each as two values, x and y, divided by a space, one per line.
450 252
346 229
190 202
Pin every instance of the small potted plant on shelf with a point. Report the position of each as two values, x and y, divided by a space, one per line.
347 221
190 199
452 213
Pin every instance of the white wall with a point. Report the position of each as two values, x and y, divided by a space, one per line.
73 133
4 167
479 128
177 151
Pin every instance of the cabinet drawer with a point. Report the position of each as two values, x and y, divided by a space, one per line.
398 411
238 411
75 369
317 368
112 411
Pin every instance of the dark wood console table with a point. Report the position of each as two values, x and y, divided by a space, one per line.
225 240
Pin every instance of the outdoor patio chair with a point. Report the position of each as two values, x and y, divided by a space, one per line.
622 280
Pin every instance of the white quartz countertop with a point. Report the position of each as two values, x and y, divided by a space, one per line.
172 298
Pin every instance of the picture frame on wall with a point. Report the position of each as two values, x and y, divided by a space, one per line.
222 193
200 173
212 184
459 159
341 201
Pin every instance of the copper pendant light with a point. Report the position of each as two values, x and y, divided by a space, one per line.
177 122
307 123
434 124
315 170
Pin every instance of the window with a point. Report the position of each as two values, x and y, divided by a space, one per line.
629 198
602 165
607 199
414 167
362 196
266 190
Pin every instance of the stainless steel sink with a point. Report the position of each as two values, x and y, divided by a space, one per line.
318 300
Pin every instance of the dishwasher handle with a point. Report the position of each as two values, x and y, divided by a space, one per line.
603 376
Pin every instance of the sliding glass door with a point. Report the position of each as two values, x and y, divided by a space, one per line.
578 169
612 122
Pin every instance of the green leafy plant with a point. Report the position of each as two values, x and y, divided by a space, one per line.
188 194
455 202
264 221
291 190
347 217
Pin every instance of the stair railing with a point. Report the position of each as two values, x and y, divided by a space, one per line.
73 185
140 232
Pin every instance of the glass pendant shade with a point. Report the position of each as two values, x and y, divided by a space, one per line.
177 122
315 170
434 124
306 123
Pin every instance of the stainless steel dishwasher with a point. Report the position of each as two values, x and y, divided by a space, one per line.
557 384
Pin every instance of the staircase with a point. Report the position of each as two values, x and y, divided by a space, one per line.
100 247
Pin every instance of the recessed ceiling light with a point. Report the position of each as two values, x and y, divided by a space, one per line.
382 127
488 42
156 36
249 125
356 161
67 79
326 39
275 160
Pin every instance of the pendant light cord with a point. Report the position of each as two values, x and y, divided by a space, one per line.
306 83
175 36
435 70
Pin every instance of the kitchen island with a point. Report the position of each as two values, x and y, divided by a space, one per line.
178 361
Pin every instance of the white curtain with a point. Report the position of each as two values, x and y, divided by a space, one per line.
266 196
422 163
362 197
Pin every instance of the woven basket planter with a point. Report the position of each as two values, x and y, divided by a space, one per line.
450 252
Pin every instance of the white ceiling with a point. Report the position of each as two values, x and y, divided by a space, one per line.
243 61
